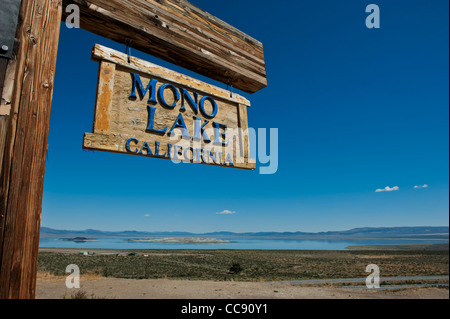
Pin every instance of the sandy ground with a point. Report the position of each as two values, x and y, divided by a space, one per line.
49 287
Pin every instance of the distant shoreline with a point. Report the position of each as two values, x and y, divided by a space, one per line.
238 236
443 246
232 243
79 239
181 240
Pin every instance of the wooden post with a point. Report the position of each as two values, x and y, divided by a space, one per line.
23 166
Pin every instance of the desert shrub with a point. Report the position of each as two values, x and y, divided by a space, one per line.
236 268
80 294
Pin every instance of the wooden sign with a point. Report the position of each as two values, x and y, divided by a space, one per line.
146 110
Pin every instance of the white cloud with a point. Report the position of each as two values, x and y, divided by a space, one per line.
421 186
388 189
147 215
226 212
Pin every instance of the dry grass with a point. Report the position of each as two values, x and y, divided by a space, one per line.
81 294
43 275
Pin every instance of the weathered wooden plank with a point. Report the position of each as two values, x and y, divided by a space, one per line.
4 112
105 89
115 143
244 139
102 53
8 85
3 65
178 32
7 76
4 120
22 177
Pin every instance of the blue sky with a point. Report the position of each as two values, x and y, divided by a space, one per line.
357 110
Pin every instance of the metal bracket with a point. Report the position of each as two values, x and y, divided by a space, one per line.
9 15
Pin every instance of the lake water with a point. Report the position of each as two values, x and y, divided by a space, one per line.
238 243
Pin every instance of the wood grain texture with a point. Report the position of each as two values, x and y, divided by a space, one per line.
22 176
244 137
3 66
105 89
7 77
4 111
179 32
128 117
102 53
4 121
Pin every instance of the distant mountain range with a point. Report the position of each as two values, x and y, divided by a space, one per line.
438 233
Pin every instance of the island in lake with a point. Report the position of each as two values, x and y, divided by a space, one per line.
181 240
79 239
